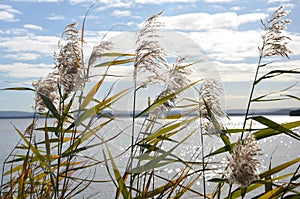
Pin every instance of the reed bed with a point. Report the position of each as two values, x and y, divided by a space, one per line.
55 160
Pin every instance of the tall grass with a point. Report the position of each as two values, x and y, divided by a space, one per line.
56 159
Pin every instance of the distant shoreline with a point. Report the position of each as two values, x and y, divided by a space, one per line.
233 112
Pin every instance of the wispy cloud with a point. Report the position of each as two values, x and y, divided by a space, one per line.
121 13
45 45
40 1
163 1
22 56
218 1
7 13
23 70
107 3
236 8
278 1
55 17
206 21
33 27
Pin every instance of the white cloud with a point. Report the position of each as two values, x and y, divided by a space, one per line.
218 1
22 56
40 1
205 21
241 72
163 1
121 13
45 45
33 27
6 16
235 46
15 31
55 17
276 1
108 3
7 13
236 8
23 70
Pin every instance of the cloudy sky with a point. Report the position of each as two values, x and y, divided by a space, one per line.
227 31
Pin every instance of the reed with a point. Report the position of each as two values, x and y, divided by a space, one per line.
60 163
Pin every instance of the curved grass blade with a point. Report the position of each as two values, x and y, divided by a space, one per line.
164 99
279 168
48 103
99 107
17 89
115 62
41 158
271 124
166 129
260 134
89 97
157 160
275 73
121 182
270 193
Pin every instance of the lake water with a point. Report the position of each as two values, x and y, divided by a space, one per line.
277 149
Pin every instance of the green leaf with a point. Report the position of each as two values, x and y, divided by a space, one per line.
260 134
41 158
48 103
89 97
99 107
113 54
121 183
279 168
159 102
275 73
115 62
271 124
156 162
17 89
166 129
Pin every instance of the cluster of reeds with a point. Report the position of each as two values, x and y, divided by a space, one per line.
55 159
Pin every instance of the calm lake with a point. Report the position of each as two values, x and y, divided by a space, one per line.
277 149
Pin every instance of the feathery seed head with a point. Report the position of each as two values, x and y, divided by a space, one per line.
242 166
69 59
47 87
210 93
177 79
274 38
149 54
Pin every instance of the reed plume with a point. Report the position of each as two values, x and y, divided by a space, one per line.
274 39
47 87
177 79
210 105
69 59
149 53
242 166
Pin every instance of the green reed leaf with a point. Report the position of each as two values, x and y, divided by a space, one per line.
260 134
157 161
159 102
48 103
93 111
41 158
115 62
121 182
114 54
89 97
275 73
273 125
279 168
162 189
17 89
167 129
